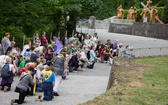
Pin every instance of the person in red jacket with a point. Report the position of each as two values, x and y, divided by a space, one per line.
43 39
102 53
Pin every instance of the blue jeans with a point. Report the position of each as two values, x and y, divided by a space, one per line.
70 68
39 87
73 68
48 95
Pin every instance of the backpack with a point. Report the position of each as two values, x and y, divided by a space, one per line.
5 72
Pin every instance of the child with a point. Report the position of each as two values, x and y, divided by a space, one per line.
48 84
39 77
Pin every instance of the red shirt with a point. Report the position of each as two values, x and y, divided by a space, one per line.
43 40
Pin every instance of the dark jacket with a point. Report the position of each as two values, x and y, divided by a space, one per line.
74 61
59 64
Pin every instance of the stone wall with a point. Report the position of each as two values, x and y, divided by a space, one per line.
141 29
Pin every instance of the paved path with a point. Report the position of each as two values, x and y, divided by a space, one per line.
136 41
85 85
77 88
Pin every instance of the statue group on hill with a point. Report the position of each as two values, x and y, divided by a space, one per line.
148 14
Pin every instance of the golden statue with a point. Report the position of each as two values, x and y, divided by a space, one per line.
145 14
149 2
153 13
120 14
132 13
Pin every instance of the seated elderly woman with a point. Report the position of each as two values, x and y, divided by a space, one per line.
84 59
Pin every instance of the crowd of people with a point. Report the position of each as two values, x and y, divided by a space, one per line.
42 64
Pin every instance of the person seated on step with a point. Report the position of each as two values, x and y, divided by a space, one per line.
128 52
93 57
120 50
114 47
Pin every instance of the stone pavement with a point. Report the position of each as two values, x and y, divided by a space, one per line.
77 88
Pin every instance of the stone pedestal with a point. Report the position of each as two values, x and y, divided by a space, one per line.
92 20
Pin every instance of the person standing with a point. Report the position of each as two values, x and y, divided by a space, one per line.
6 42
43 39
37 39
26 47
59 66
1 50
23 85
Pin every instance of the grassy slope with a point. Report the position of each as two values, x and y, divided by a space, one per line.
156 87
150 88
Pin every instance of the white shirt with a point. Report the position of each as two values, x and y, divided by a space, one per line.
87 41
24 49
38 74
83 55
3 60
94 39
10 67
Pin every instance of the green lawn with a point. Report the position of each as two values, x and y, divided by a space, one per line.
154 90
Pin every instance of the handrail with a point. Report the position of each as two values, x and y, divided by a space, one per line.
148 51
148 48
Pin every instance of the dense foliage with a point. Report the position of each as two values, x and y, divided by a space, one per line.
25 17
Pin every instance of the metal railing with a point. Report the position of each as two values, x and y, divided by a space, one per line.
122 21
149 52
